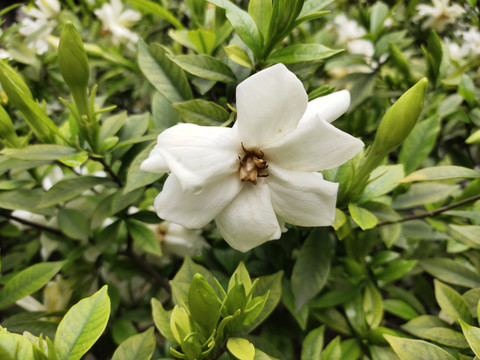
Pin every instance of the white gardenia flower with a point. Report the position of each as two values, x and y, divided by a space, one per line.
117 21
178 240
261 173
439 15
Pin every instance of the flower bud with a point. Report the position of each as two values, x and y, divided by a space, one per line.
72 59
21 98
400 119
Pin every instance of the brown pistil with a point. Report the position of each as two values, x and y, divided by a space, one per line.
251 163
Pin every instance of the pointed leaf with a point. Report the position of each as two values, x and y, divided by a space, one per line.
137 347
82 325
408 349
28 281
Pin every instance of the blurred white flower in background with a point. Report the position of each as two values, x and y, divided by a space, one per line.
56 296
38 23
350 33
117 21
439 15
261 173
178 240
465 45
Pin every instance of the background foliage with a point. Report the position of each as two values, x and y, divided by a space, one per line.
82 102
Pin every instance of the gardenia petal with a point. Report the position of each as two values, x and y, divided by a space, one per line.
195 211
303 199
315 145
154 163
269 105
198 155
249 220
329 107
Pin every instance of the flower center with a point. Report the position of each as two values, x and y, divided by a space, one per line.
250 165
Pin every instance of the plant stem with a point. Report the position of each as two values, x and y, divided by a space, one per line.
31 223
432 213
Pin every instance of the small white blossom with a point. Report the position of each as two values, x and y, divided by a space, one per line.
439 15
39 24
350 33
261 173
117 21
178 240
467 44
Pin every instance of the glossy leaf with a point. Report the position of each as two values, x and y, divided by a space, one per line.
69 189
82 325
314 259
137 347
362 217
242 349
301 53
408 349
205 66
313 344
201 112
28 281
441 173
144 237
39 152
452 303
166 76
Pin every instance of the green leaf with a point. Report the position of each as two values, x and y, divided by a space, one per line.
205 66
243 24
39 152
204 304
301 52
164 115
395 270
203 40
261 12
441 173
242 349
421 194
334 319
472 334
400 308
451 271
419 143
201 112
137 347
314 259
362 217
136 177
15 347
467 234
382 180
310 6
432 328
74 160
408 349
28 281
378 14
313 344
74 224
68 189
162 317
237 54
372 305
144 237
166 76
111 125
181 282
333 350
82 325
452 303
154 8
273 285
